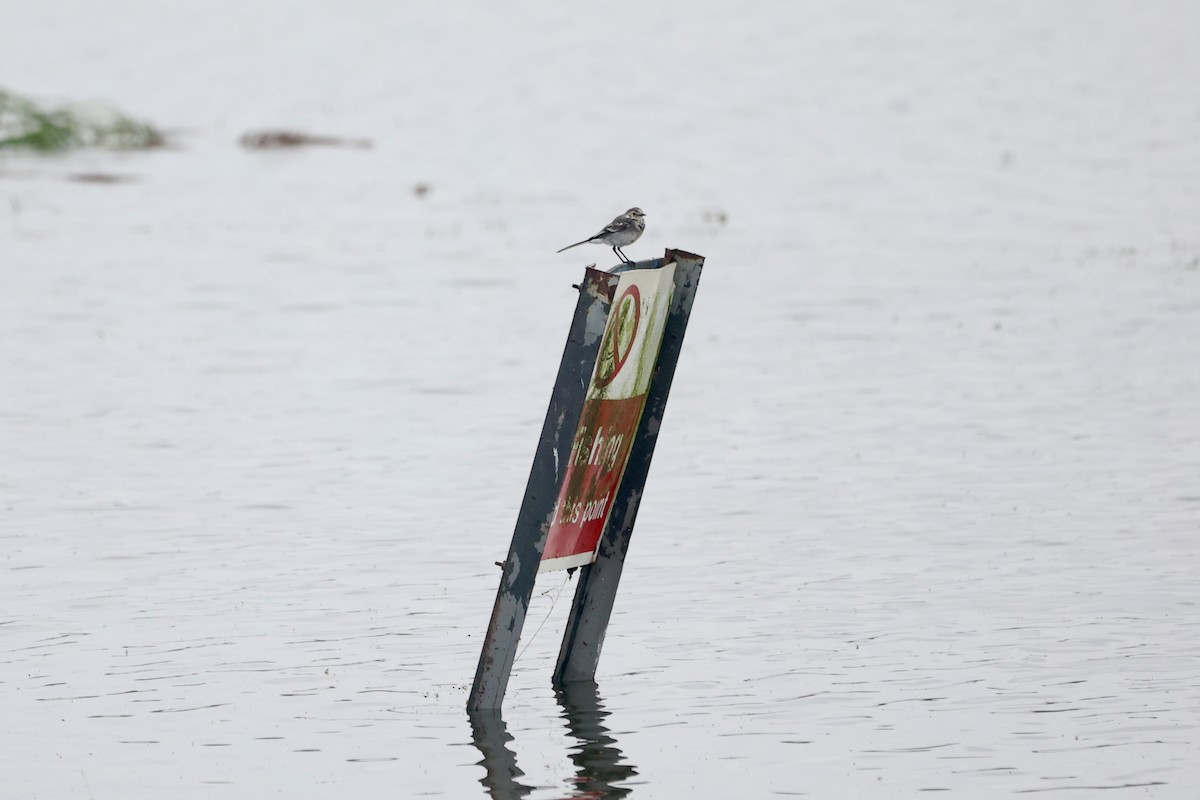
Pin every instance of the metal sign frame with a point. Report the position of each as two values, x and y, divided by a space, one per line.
594 597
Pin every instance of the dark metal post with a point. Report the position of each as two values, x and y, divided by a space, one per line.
597 590
541 492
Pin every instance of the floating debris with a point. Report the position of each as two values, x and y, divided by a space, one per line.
100 177
26 125
279 140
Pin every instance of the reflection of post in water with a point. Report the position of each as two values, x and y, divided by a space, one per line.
598 762
491 736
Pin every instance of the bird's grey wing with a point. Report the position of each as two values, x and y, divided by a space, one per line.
618 225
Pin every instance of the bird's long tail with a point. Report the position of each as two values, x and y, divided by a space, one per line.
585 241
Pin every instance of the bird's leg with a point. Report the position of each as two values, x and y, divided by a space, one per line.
624 259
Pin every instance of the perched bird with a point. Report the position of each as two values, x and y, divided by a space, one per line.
623 230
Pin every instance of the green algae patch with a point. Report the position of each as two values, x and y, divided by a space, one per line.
27 125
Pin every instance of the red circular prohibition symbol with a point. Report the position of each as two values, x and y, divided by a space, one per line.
613 343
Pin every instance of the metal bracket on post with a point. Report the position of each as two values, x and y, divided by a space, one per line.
579 655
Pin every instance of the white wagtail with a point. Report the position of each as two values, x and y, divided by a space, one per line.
623 230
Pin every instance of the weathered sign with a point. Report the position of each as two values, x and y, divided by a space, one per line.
612 408
592 460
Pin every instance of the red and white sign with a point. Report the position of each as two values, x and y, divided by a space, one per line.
612 409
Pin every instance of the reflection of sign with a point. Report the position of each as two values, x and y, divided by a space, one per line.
611 412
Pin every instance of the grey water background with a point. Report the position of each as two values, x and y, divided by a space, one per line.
923 516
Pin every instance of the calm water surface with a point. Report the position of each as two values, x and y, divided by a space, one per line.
924 513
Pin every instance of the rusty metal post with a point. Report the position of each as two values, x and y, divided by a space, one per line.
525 553
597 590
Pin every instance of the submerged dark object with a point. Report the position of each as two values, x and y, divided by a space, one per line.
280 140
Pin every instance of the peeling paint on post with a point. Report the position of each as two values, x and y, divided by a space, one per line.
579 655
521 567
